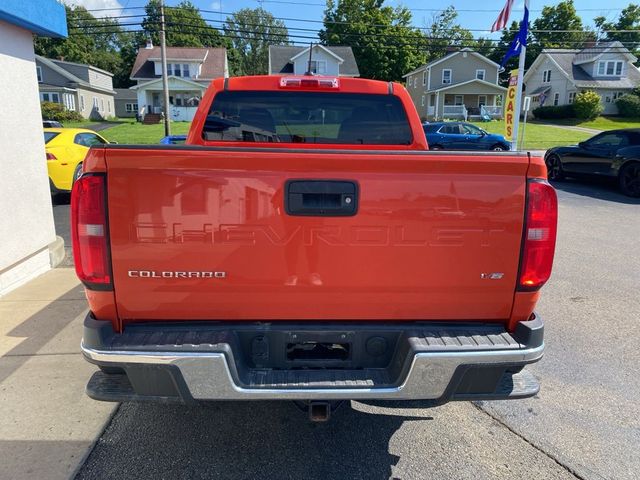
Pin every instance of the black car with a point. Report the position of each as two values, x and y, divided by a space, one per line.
51 124
615 153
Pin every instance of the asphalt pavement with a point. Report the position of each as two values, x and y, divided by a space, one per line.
585 423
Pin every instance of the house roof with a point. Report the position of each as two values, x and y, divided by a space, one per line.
213 61
474 80
125 94
447 57
280 58
577 75
158 81
91 67
591 54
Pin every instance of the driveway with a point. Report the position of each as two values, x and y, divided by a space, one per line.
571 127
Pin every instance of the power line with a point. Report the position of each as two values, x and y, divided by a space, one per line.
346 36
287 2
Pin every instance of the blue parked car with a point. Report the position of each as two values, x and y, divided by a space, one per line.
174 140
462 136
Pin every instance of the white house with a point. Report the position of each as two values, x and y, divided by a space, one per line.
556 76
27 232
325 60
190 71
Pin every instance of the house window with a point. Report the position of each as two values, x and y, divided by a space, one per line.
572 97
546 76
50 97
102 104
458 100
95 103
82 103
422 101
556 99
424 78
131 107
610 68
480 74
318 66
185 70
482 100
108 106
39 74
446 76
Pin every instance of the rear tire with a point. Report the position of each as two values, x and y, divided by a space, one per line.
499 148
554 168
629 179
436 147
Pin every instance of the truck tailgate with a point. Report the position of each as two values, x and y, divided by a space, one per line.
203 234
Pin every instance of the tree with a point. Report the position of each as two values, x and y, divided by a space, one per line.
384 43
444 34
629 19
552 25
185 27
251 32
97 42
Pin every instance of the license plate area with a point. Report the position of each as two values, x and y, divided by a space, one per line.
318 351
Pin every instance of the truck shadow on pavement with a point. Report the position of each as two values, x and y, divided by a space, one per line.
244 440
598 188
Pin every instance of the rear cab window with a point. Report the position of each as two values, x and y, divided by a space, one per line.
307 117
48 136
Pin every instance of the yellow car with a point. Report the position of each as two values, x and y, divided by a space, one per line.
66 149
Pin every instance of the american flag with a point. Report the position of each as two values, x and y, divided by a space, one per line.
503 18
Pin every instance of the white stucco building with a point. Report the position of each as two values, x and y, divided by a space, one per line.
26 217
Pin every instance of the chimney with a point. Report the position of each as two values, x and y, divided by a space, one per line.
149 44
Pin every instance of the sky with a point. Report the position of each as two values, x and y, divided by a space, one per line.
469 16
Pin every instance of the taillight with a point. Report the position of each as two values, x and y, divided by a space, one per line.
51 156
89 232
541 225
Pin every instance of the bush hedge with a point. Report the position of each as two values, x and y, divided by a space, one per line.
628 105
57 111
554 112
587 105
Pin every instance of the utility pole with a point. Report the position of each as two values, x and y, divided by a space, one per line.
518 106
165 78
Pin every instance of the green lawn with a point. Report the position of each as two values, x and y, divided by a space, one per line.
540 137
137 133
600 123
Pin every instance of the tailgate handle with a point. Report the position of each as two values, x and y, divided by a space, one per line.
322 198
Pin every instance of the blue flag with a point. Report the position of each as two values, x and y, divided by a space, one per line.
519 41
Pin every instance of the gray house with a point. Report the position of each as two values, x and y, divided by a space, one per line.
325 60
126 102
460 85
83 88
556 76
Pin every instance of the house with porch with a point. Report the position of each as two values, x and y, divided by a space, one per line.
190 71
461 85
335 61
558 75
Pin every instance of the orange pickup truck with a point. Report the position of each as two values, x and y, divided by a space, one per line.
304 244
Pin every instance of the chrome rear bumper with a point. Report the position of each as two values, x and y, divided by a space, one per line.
438 369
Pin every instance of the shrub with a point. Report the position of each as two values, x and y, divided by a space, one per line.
628 105
554 112
57 111
587 105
